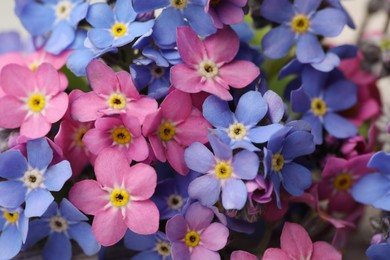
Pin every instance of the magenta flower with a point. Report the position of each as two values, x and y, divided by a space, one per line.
242 255
295 243
175 126
194 236
32 100
119 198
113 93
208 65
225 11
122 133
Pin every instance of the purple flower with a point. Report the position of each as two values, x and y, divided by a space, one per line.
194 236
221 171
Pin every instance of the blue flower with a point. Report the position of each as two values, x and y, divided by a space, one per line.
31 180
221 171
300 23
60 224
13 232
379 251
240 129
115 28
153 247
284 146
320 98
58 18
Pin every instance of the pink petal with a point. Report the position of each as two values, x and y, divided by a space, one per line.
108 226
88 196
17 80
342 201
218 89
243 255
239 74
334 166
217 22
140 108
132 124
176 106
185 78
201 252
48 80
56 107
138 149
158 148
275 253
141 181
87 107
35 126
107 123
126 85
191 48
96 140
194 129
63 81
111 166
101 77
215 236
296 241
12 57
12 112
78 160
324 251
176 228
175 157
151 123
198 216
142 217
357 166
230 13
222 46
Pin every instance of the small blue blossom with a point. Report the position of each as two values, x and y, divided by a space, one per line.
31 180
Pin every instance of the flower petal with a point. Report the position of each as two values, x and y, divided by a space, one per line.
380 161
191 48
297 144
198 217
246 164
37 202
340 95
10 242
234 194
217 112
13 164
215 236
142 217
296 178
296 241
140 181
220 149
239 74
319 23
222 46
57 244
176 228
108 226
101 77
338 126
309 49
271 10
82 234
251 108
325 251
206 189
12 194
88 196
111 166
57 175
277 42
198 158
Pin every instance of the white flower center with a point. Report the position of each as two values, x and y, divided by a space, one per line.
208 69
175 201
58 224
63 9
237 131
33 178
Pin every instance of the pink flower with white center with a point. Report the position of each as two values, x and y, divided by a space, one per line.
113 93
209 66
69 138
172 128
122 133
295 243
32 100
119 198
225 11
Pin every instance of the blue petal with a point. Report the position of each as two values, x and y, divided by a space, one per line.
244 144
155 55
276 141
141 75
293 67
234 194
142 6
10 242
37 202
277 42
57 247
164 31
340 95
296 178
221 150
316 127
199 21
338 126
82 234
60 39
217 112
345 51
139 242
313 81
309 49
23 226
271 10
124 11
276 106
13 164
275 179
300 102
330 62
379 251
100 38
38 19
199 158
38 229
262 134
246 164
39 153
70 212
100 15
206 189
306 6
148 255
320 22
57 175
297 144
381 162
78 61
52 210
79 13
251 108
371 188
12 194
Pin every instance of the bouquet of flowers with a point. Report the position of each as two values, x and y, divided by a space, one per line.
190 129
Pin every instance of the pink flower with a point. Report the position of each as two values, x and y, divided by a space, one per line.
208 65
175 126
122 133
32 100
119 198
295 243
242 255
226 11
69 138
113 93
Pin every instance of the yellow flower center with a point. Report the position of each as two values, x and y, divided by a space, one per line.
300 23
166 131
277 162
223 170
117 101
237 131
208 69
63 9
343 182
78 136
175 201
58 224
121 135
119 29
214 2
36 102
34 65
318 106
119 198
11 217
163 248
192 239
179 4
